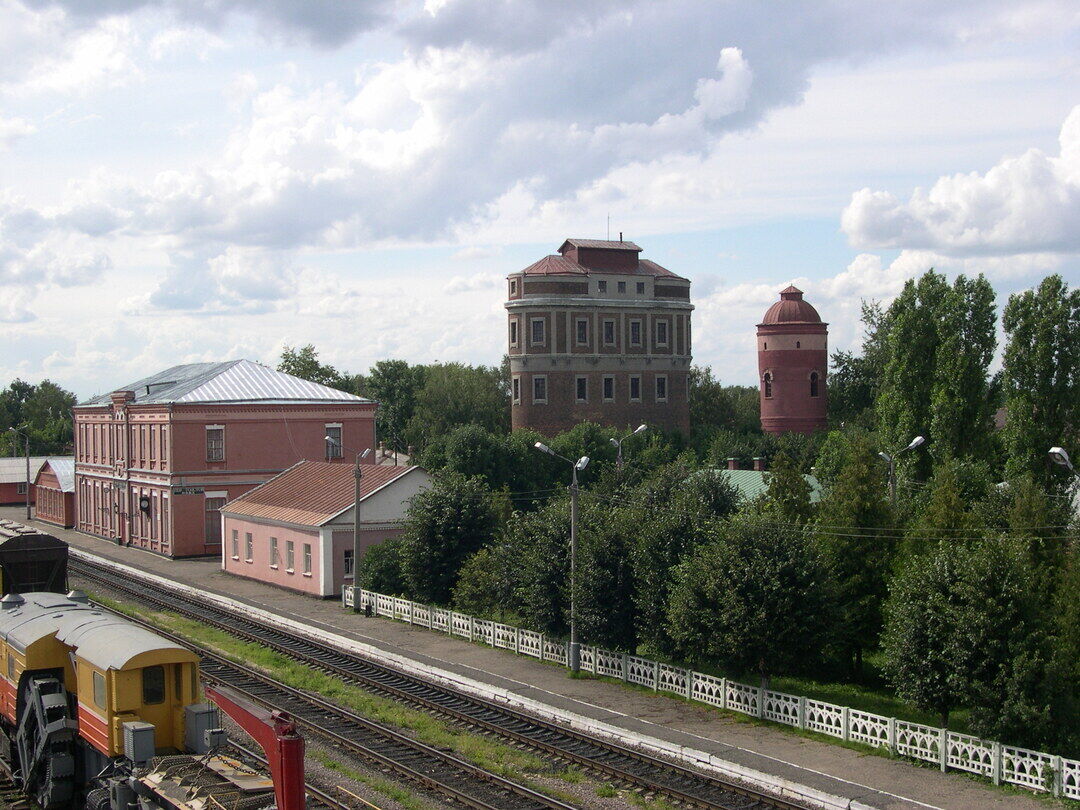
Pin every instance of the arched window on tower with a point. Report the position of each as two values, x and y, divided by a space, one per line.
813 383
766 380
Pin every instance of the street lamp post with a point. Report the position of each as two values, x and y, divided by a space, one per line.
1060 456
618 446
357 475
576 467
26 436
890 458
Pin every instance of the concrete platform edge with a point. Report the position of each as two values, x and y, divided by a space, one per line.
767 782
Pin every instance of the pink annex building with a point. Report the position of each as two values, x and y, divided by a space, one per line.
793 357
157 459
296 530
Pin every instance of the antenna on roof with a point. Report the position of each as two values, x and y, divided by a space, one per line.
620 236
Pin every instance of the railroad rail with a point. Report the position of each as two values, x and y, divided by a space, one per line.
611 759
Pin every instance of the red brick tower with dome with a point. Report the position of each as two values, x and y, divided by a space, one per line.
793 357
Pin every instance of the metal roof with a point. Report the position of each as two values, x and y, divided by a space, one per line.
562 266
311 493
752 483
13 468
63 468
231 381
604 244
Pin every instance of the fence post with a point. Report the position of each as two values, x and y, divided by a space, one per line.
689 684
995 764
723 693
517 640
1059 777
802 712
891 735
543 642
472 629
761 702
845 723
412 605
626 667
943 749
656 676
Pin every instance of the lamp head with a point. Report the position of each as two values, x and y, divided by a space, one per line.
1059 455
366 453
582 463
614 442
641 428
915 442
543 448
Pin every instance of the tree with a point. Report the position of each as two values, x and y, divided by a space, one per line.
787 495
394 384
455 394
304 363
855 378
753 599
852 536
444 525
934 379
1041 379
380 568
485 586
605 576
43 411
540 542
732 407
945 512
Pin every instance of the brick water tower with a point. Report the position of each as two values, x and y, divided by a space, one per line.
793 356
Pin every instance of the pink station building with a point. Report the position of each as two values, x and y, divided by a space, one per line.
156 460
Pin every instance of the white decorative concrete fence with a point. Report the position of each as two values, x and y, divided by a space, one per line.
1006 764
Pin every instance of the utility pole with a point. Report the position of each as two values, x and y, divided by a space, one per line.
25 436
618 446
890 459
358 474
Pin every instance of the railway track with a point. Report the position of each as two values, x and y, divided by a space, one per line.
611 759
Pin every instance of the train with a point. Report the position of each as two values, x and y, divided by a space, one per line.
98 711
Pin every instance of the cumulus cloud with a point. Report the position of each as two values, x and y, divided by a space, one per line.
14 129
1025 204
238 280
477 281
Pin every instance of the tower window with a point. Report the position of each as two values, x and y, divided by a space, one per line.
538 335
609 333
539 390
513 287
635 388
582 386
622 286
635 332
661 388
641 288
813 383
516 382
798 344
581 336
766 380
609 388
513 332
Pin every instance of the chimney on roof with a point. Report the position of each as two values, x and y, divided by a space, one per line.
120 397
620 236
759 464
732 463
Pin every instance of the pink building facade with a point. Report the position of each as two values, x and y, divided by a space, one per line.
793 361
296 531
156 460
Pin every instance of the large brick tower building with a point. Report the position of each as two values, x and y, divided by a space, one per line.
598 334
793 356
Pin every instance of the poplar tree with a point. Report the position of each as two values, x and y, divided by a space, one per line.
1041 379
787 495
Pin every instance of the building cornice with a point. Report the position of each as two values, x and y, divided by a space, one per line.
578 303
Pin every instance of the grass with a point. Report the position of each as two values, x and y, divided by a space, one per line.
382 786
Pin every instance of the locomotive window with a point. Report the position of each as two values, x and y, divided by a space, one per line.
99 690
153 685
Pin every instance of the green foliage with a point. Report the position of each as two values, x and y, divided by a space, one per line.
728 407
394 384
852 536
444 525
1041 379
855 378
380 568
485 584
605 576
945 512
934 380
752 600
787 497
304 363
455 394
540 543
43 411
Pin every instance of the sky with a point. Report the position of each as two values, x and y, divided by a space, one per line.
196 180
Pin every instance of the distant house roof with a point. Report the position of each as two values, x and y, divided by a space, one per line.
311 493
231 381
13 468
752 483
63 468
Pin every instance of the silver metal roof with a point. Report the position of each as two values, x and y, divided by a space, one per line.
232 381
64 467
13 468
102 639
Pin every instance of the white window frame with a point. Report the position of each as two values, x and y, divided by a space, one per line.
536 400
249 547
236 544
614 331
290 556
513 287
608 378
532 331
577 331
347 566
334 449
222 429
581 378
21 488
275 554
661 378
307 560
667 332
630 387
630 332
515 389
514 328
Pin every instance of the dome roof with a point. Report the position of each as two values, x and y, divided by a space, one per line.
791 308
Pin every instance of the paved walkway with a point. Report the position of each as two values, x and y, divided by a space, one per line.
871 780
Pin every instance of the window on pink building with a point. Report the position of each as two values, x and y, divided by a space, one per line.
307 558
215 443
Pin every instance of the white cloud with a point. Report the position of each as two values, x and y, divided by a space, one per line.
473 283
13 130
1025 204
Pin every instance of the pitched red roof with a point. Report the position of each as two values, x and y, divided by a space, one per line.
561 266
605 244
310 493
791 308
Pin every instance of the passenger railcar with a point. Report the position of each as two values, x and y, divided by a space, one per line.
83 691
